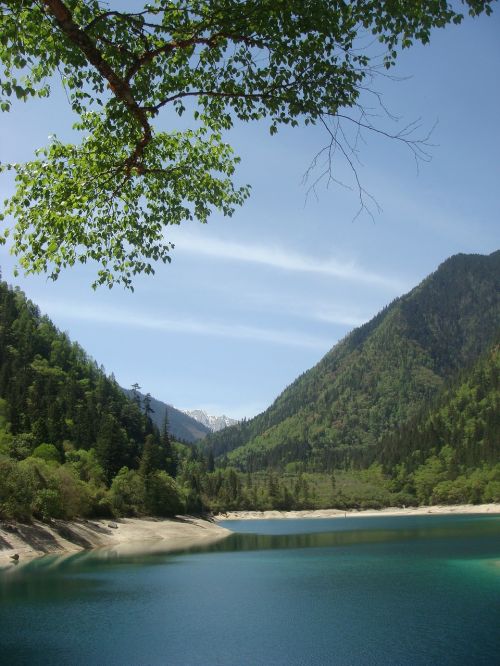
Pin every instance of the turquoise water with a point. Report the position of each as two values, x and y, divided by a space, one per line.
388 590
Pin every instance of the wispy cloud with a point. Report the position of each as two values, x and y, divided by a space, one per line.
313 309
338 317
443 218
277 257
184 325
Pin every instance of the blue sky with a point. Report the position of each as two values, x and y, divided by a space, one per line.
251 302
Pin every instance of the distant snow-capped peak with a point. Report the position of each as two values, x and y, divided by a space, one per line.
215 423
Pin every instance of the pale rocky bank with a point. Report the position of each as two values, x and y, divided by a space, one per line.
340 513
128 536
123 536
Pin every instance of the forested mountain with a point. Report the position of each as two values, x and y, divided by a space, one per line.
181 426
55 393
71 442
411 398
465 416
338 413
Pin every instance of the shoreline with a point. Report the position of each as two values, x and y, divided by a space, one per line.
439 509
136 536
124 536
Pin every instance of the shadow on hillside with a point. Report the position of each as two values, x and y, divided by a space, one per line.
95 527
4 544
71 534
38 538
192 520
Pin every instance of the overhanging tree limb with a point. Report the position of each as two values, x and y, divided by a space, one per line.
119 86
110 197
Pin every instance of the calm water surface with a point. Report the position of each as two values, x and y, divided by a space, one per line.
387 590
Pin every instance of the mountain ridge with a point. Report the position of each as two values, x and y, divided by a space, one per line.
378 375
213 423
182 426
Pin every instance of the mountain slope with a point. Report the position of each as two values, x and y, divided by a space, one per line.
52 393
465 417
213 423
378 376
71 442
182 426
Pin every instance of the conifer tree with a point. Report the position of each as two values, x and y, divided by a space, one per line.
168 453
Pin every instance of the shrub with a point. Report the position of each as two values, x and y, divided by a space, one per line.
127 493
162 495
491 492
17 489
48 504
451 492
47 452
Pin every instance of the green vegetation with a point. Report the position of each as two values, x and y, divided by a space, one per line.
450 452
229 489
337 414
71 442
404 411
181 426
108 198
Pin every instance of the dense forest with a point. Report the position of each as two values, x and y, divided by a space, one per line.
71 442
405 410
74 444
450 452
182 427
337 414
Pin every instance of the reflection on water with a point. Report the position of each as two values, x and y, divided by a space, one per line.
405 590
357 534
431 534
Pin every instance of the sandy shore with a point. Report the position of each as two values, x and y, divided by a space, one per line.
124 536
339 513
129 536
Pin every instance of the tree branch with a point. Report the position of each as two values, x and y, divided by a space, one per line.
120 88
211 42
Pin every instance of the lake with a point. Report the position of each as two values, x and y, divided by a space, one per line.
385 590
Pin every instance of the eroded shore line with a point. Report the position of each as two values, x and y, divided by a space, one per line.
124 536
340 513
129 536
